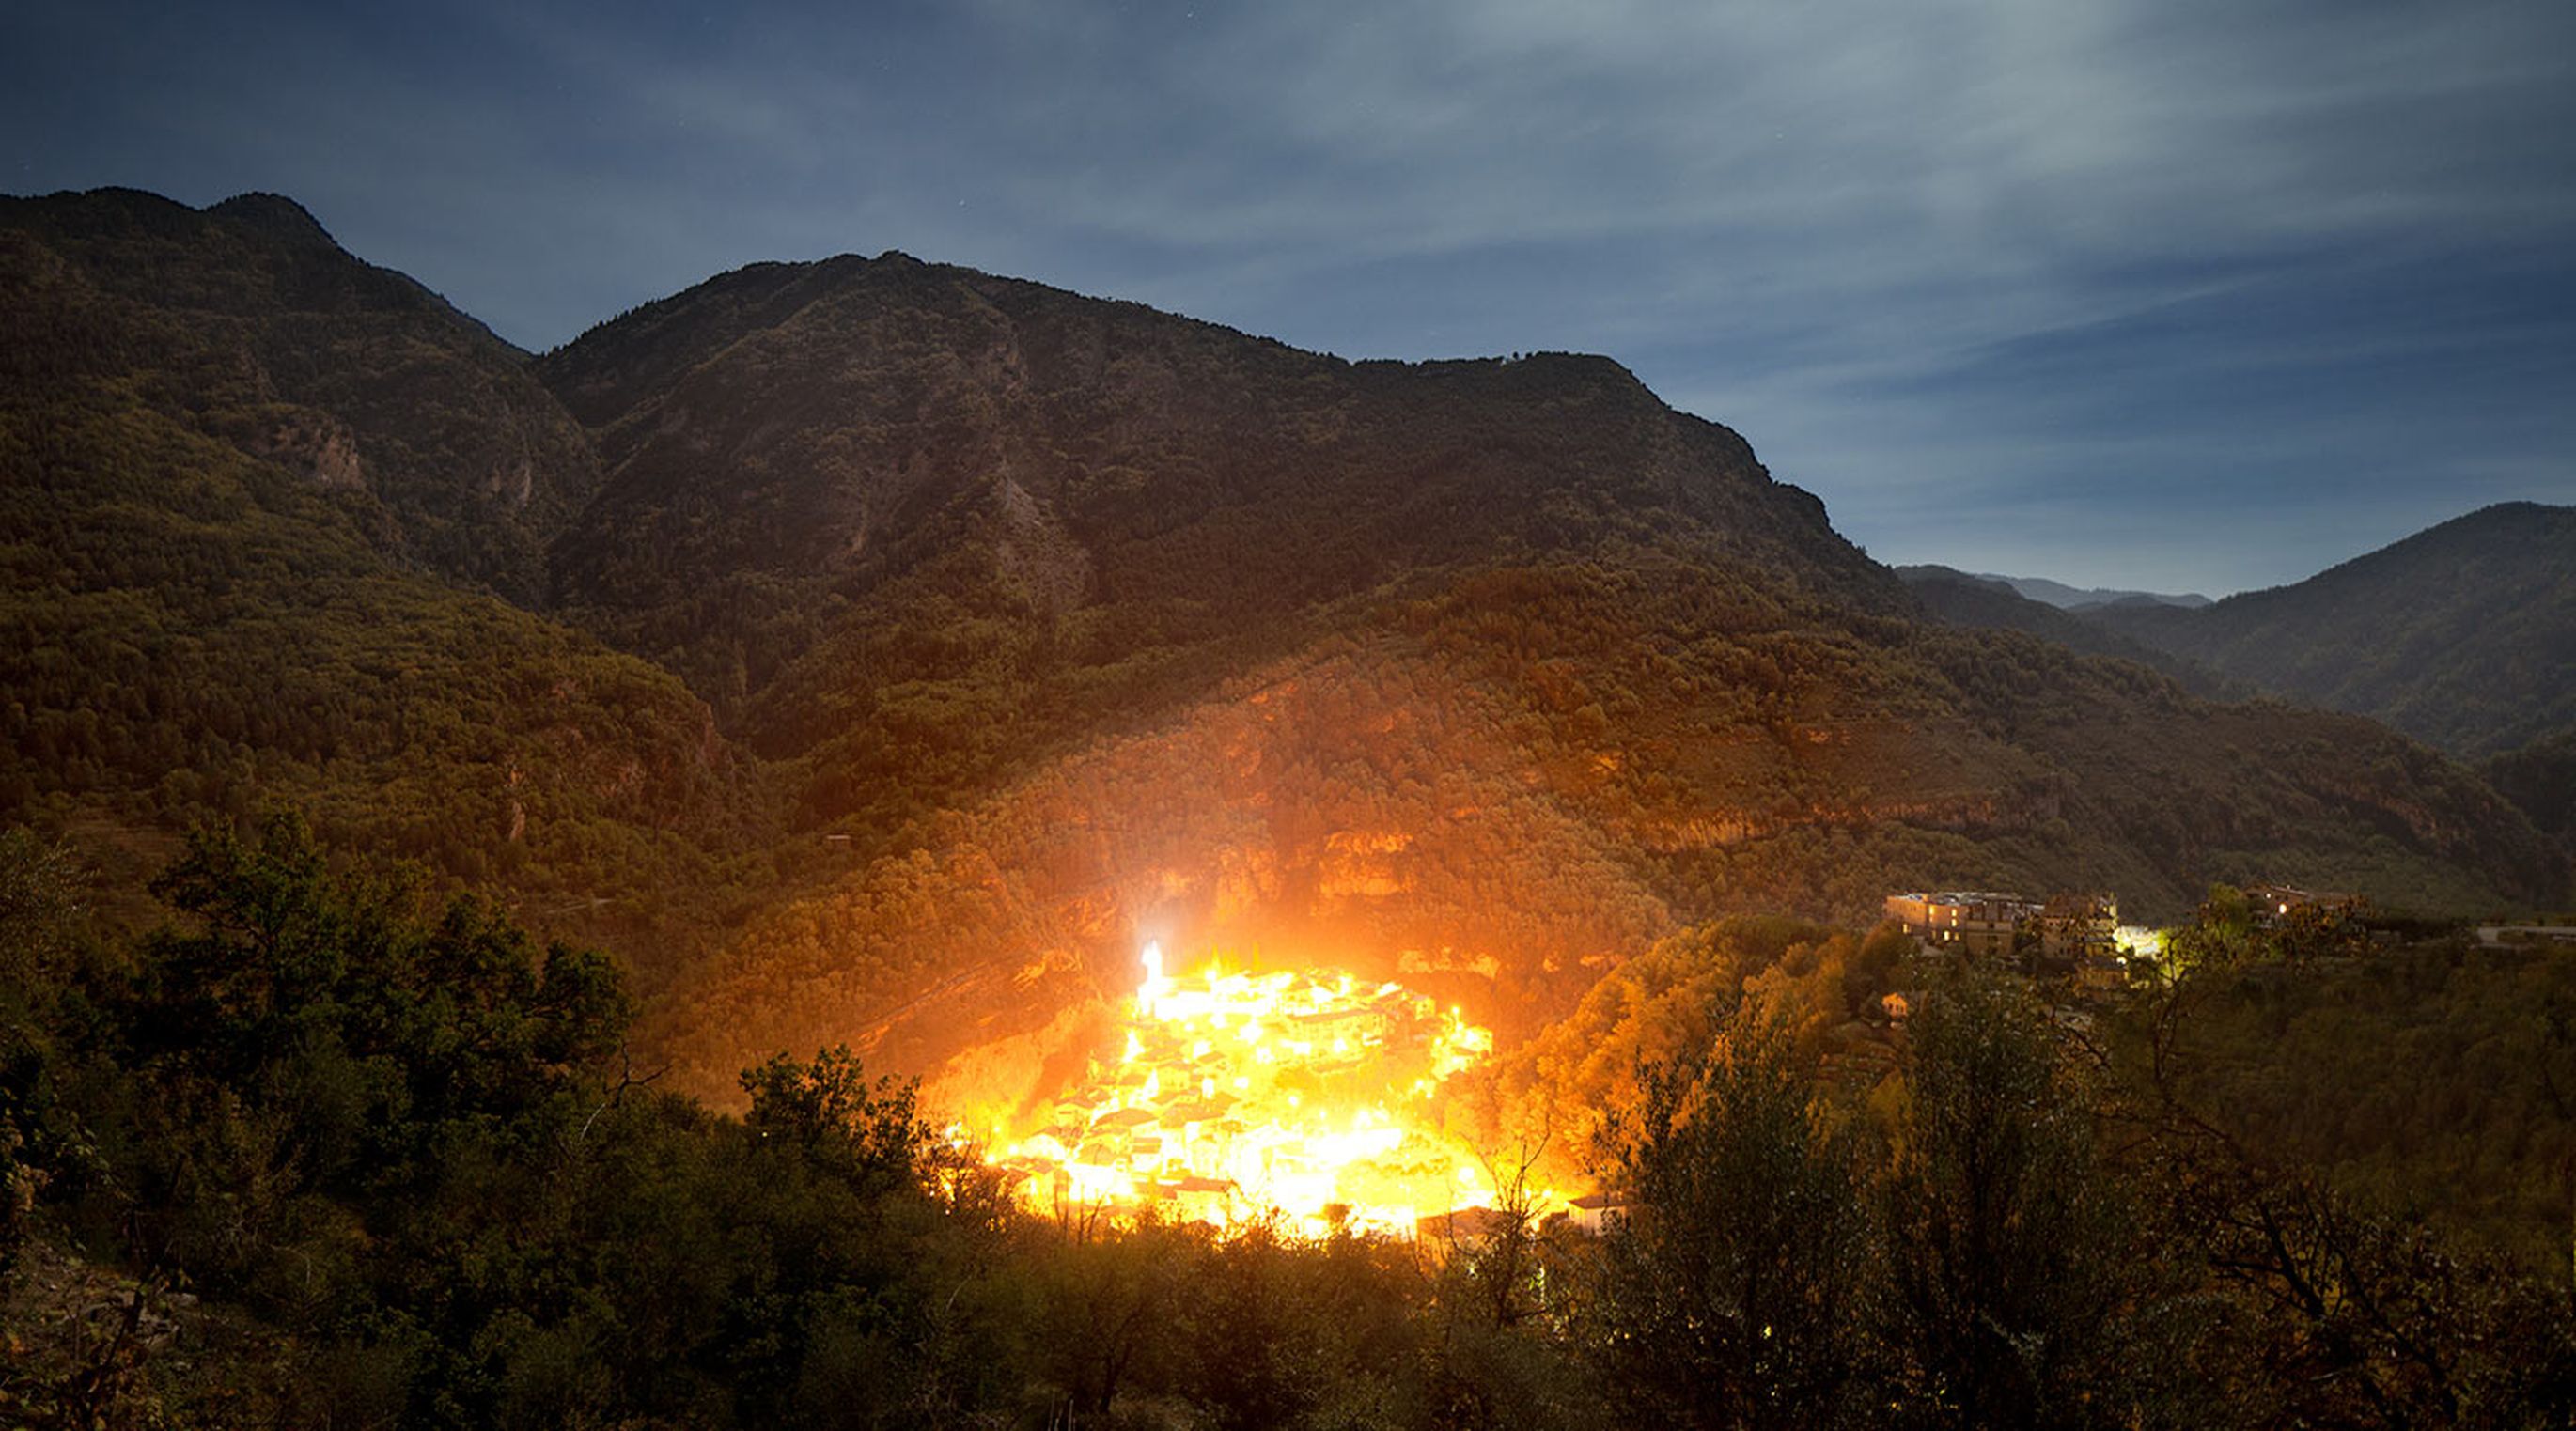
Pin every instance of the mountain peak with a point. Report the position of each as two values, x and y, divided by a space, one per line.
276 217
2515 511
249 317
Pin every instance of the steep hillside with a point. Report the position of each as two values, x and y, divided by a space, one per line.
2463 635
247 324
2541 779
200 618
1500 791
925 525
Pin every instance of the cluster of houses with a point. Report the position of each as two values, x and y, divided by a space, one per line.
1239 1092
2074 936
2072 939
1592 1214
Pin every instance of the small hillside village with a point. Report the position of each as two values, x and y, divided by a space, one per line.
1239 1091
2076 940
2075 935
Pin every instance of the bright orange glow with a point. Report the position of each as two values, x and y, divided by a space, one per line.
1239 1094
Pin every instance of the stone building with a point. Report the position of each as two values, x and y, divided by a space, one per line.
1980 922
2074 927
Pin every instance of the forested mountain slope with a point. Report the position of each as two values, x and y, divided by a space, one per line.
258 499
2541 779
1500 791
249 322
2463 635
924 526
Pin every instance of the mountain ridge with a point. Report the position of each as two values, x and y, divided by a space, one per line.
931 631
2076 598
2462 634
1053 438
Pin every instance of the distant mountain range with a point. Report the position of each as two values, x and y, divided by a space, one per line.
1959 599
2071 598
877 650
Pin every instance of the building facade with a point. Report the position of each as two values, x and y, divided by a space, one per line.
1980 922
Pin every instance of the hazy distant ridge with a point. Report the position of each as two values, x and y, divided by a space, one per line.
2073 598
1956 598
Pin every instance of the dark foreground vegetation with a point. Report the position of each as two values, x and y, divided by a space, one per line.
324 1153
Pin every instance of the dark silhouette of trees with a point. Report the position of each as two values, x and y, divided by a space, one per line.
1738 1287
2024 1287
326 1151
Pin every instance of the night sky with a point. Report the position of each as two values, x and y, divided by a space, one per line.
2151 293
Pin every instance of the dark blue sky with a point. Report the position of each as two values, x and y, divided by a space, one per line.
2143 292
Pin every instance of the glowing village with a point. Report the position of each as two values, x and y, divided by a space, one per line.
1311 1098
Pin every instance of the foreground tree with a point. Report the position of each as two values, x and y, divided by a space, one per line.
1504 1315
2025 1287
1107 1305
39 907
1735 1290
